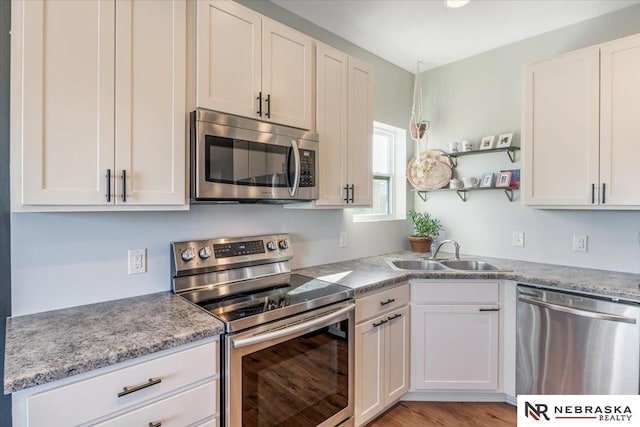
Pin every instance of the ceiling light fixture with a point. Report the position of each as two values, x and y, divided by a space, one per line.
454 4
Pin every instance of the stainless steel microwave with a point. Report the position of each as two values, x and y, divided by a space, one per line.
244 160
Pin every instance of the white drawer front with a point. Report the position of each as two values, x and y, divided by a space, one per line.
456 292
98 396
212 423
381 302
181 410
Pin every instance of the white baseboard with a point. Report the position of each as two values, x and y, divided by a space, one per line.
457 396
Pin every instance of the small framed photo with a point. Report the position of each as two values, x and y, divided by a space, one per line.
487 142
487 180
504 140
514 182
503 180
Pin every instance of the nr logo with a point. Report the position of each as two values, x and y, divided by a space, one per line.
536 411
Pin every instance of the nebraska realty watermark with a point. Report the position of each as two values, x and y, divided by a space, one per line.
578 410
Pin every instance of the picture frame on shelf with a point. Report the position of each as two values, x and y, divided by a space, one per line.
514 182
503 180
488 142
504 140
487 180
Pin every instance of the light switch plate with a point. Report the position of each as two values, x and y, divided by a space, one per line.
518 239
343 239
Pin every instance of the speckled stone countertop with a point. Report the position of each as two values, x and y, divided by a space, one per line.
368 274
53 345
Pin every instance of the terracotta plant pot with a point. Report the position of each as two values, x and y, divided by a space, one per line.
420 244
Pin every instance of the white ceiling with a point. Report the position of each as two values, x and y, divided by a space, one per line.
405 31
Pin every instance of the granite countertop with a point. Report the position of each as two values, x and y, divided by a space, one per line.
365 275
53 345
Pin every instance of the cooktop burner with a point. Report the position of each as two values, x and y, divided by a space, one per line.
246 282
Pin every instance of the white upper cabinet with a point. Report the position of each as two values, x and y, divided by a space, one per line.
98 93
581 129
344 96
251 66
62 100
620 122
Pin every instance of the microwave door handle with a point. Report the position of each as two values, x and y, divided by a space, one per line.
296 158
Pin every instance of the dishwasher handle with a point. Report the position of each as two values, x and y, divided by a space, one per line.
579 312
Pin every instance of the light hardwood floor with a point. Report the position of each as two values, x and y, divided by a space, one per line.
447 414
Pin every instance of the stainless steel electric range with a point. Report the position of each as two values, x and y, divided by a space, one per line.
288 350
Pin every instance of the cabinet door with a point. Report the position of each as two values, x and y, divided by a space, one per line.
397 336
286 75
150 102
228 63
370 354
65 120
455 347
619 126
332 94
561 130
360 131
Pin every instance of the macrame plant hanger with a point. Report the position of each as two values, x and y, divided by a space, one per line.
418 126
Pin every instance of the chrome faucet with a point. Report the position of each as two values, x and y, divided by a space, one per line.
435 248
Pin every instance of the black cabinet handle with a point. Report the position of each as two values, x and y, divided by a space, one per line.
382 322
489 309
603 193
259 98
124 185
132 389
108 182
353 192
389 301
269 106
346 189
155 424
593 193
395 316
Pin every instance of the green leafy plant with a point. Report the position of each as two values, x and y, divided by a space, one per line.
424 225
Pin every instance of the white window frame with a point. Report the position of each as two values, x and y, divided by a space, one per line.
398 186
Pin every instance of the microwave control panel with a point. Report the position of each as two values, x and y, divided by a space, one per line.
307 168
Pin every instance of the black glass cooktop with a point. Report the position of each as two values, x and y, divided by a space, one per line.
272 300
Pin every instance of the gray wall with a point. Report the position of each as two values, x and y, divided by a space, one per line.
67 259
480 96
5 248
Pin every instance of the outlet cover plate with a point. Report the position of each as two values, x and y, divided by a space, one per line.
518 239
580 242
137 261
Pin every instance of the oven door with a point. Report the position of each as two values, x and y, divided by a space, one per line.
294 372
242 164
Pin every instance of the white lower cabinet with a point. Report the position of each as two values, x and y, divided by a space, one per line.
456 336
178 387
382 351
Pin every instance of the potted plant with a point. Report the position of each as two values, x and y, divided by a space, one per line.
426 228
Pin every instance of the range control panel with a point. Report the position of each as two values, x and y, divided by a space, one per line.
225 253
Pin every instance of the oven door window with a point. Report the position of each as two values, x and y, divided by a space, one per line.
256 164
300 382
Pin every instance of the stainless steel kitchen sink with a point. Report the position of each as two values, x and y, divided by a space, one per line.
442 265
469 264
416 264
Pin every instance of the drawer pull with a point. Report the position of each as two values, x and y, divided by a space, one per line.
489 309
382 322
395 316
155 424
132 389
389 301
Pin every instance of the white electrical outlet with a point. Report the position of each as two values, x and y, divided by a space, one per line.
580 242
137 261
343 239
518 239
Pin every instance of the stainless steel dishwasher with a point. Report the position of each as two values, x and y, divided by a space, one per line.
574 344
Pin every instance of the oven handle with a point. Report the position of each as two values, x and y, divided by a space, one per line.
296 159
317 322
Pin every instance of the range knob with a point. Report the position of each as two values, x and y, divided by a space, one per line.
271 245
283 244
205 252
188 255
